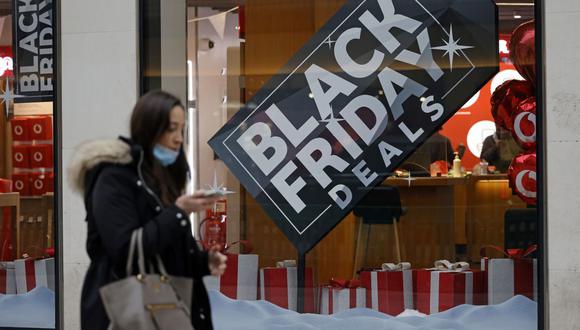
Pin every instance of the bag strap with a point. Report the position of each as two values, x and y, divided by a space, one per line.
160 266
141 256
140 253
131 255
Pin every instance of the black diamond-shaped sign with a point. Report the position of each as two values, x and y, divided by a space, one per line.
363 93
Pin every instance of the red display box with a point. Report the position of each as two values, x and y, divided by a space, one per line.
20 129
21 156
21 184
40 128
41 183
5 186
41 156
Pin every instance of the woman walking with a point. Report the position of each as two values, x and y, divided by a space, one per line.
138 182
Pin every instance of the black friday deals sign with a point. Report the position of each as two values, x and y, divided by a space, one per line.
376 81
34 50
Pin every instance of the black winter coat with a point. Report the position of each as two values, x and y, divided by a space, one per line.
117 201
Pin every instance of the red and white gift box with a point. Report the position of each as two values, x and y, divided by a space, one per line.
7 278
448 285
32 273
41 156
279 285
240 280
507 277
389 290
341 295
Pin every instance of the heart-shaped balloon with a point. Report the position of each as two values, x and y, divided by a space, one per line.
522 177
524 124
523 50
506 99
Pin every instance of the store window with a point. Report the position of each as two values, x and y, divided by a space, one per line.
381 154
27 165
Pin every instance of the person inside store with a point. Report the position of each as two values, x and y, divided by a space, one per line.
440 147
437 147
499 149
139 182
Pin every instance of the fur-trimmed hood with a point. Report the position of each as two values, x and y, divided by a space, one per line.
93 153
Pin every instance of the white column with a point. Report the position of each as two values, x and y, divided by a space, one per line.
562 21
174 48
99 88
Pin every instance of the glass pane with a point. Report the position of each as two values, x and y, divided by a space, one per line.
27 222
391 141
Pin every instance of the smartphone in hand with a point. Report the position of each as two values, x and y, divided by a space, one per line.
216 192
211 193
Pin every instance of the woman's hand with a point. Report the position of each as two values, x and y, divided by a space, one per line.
217 262
196 202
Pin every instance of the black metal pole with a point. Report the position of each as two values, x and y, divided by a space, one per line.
301 280
543 303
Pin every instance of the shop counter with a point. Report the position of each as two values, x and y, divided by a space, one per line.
446 218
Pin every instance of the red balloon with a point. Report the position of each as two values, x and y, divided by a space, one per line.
524 124
523 50
522 177
505 100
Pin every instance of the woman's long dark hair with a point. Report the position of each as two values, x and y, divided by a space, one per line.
150 119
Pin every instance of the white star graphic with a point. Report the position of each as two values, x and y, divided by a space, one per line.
329 42
452 47
7 96
331 118
216 189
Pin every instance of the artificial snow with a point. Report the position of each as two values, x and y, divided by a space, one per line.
34 309
517 313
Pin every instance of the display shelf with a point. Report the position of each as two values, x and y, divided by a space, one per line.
33 109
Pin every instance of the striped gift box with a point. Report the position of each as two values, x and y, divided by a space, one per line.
279 285
390 289
7 278
240 280
31 273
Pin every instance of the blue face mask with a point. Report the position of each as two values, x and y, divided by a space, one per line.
164 155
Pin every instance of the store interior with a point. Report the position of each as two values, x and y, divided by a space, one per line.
230 56
26 162
442 218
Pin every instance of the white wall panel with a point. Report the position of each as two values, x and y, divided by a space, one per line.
99 89
562 61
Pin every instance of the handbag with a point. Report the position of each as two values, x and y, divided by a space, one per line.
147 301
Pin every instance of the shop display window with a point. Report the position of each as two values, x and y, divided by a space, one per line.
27 167
447 226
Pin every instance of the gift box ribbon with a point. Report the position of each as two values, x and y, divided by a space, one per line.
446 265
246 246
30 271
49 252
390 267
344 284
286 263
39 253
510 253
